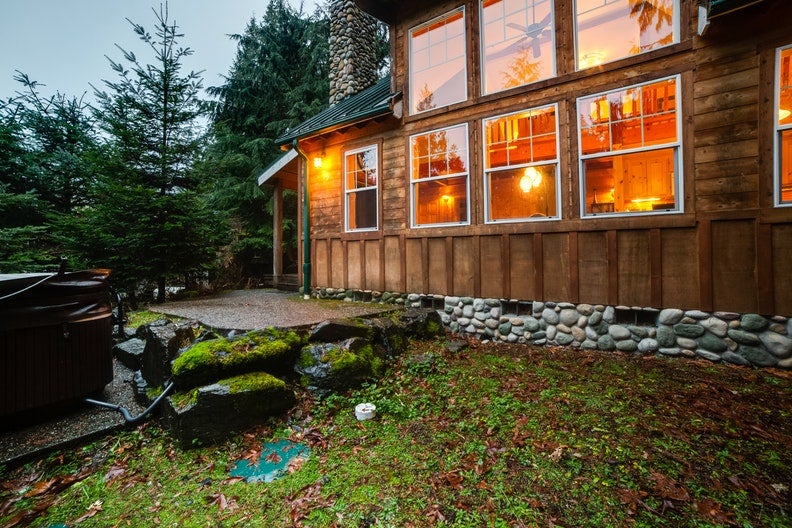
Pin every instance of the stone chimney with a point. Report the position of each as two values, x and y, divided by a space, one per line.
353 56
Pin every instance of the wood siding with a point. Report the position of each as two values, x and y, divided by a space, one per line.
728 249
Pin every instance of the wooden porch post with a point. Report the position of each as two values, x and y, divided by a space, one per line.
277 234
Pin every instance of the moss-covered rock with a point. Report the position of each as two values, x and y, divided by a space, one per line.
334 330
338 366
421 322
209 414
266 350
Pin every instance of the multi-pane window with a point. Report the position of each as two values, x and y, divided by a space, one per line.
784 126
360 175
438 64
517 43
608 30
439 177
521 165
629 143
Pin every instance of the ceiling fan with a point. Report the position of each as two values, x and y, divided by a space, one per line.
534 32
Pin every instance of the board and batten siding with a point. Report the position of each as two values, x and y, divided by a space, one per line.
729 250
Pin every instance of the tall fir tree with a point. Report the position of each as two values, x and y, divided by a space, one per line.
279 78
150 222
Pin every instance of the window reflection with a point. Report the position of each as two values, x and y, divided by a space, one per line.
517 42
784 125
438 72
439 176
360 167
521 165
642 122
608 30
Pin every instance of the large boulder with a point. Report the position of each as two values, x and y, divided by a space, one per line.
209 414
328 367
334 330
421 322
268 350
164 339
130 353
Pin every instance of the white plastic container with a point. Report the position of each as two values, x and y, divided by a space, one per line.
365 411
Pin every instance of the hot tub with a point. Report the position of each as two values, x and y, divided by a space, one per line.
55 339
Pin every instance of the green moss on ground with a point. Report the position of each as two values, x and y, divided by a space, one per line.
254 381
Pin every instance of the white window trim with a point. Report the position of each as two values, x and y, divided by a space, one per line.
487 172
460 9
675 24
482 60
678 164
414 183
777 129
348 191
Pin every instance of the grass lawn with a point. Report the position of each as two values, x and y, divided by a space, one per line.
492 436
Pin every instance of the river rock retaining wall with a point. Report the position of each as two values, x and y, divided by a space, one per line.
740 339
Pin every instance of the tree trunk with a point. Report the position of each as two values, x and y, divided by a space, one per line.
161 289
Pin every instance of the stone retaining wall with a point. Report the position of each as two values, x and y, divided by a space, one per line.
740 339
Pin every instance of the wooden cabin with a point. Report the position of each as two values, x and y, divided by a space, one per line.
609 152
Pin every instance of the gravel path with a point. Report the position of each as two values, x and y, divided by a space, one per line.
258 309
83 422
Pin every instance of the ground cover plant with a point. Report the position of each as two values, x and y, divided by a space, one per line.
491 435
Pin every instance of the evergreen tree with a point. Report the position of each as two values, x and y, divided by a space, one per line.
60 144
279 78
150 222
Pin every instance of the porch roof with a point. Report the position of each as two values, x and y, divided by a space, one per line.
372 102
283 169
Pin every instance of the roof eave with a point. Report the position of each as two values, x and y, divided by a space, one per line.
371 114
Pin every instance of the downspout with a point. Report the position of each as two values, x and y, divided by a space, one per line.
306 223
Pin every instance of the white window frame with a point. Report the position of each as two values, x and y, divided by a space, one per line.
676 145
414 182
675 25
348 192
544 163
483 59
413 103
777 130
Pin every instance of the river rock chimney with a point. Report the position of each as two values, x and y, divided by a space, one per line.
353 55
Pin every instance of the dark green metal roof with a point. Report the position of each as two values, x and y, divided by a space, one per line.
722 7
372 102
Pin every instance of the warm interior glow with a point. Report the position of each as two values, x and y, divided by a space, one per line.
531 178
783 113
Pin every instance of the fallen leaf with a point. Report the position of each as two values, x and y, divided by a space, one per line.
668 488
93 509
713 510
273 458
114 473
223 503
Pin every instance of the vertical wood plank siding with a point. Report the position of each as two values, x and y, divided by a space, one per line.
728 250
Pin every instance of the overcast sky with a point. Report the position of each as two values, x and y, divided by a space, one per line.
63 43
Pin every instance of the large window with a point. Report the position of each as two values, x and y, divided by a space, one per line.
608 30
784 127
517 43
438 71
439 177
629 143
521 166
360 175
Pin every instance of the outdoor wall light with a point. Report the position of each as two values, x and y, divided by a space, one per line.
317 162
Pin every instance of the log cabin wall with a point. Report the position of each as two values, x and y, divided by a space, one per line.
726 248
